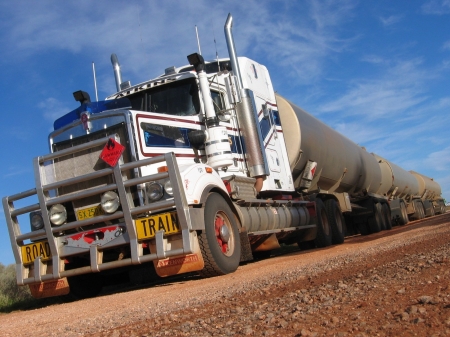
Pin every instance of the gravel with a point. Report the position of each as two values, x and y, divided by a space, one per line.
388 284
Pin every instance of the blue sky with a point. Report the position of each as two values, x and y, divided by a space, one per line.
376 71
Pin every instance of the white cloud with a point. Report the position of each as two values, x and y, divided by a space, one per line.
395 91
391 20
53 108
436 7
299 35
446 45
440 159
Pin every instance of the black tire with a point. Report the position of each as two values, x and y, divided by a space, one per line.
85 285
375 222
379 207
404 218
432 211
336 221
323 238
386 210
422 210
220 243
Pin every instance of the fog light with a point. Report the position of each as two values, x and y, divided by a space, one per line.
36 220
58 214
155 191
168 188
110 202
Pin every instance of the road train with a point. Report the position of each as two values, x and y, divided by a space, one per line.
196 170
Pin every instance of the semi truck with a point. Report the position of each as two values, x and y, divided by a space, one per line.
196 171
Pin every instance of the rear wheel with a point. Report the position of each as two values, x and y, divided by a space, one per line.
323 238
220 242
387 216
404 214
336 221
379 207
375 222
432 210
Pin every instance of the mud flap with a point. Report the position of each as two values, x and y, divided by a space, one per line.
178 264
57 287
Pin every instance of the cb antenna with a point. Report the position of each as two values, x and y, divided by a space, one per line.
95 82
198 40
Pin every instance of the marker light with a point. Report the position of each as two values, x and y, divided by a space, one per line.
110 202
57 214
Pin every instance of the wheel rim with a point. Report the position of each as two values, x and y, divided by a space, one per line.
224 233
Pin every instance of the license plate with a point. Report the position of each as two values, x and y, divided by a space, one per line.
89 212
147 227
32 251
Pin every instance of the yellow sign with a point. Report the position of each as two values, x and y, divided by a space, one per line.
146 228
32 251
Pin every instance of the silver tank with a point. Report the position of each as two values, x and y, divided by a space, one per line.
428 188
343 166
396 180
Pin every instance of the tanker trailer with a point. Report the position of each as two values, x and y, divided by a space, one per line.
430 193
329 166
402 190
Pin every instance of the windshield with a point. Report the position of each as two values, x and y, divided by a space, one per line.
178 98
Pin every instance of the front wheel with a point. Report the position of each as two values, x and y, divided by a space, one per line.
220 242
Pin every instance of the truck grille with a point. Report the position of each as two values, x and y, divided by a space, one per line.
87 161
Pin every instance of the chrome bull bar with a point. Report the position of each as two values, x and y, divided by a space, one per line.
43 271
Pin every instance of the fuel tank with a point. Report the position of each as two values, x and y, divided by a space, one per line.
428 188
396 181
342 165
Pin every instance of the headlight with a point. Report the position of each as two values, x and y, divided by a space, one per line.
155 191
58 214
168 188
110 202
36 220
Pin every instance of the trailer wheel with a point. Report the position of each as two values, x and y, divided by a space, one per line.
220 242
432 211
379 207
419 213
336 221
375 222
323 238
387 216
404 218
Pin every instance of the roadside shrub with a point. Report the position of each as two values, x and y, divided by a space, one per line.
10 292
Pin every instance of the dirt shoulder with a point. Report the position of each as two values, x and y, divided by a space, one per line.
394 283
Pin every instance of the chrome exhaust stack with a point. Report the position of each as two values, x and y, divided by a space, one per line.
117 73
247 117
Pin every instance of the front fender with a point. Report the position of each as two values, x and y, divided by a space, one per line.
198 178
